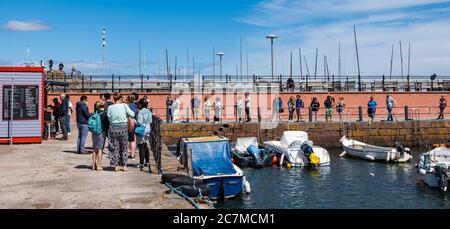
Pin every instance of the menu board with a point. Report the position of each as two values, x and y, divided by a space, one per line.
25 102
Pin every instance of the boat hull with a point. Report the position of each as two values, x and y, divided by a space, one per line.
224 186
429 179
364 151
294 155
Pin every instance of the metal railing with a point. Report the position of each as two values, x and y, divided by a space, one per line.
164 83
351 114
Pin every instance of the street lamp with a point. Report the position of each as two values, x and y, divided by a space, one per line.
272 37
220 54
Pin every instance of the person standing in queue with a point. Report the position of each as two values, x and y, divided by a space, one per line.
63 110
390 104
169 103
207 109
83 115
118 115
144 119
372 108
299 105
291 108
315 105
247 107
340 108
328 109
69 114
99 135
56 107
131 101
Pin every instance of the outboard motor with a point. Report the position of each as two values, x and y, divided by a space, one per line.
255 153
402 149
308 152
442 175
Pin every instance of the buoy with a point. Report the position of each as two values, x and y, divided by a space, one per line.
315 160
289 165
343 154
372 174
274 160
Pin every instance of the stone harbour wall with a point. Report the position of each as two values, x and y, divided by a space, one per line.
409 133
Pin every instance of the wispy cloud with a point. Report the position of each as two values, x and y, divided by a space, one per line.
5 61
25 26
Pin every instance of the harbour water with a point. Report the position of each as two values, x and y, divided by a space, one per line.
346 183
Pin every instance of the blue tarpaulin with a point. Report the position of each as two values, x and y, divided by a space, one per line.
211 158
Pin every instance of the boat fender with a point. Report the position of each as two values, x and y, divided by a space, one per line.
314 159
370 157
191 191
168 177
422 171
281 159
247 188
342 154
274 160
180 181
289 165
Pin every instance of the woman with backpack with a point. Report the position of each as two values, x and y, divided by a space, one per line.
144 121
119 116
98 125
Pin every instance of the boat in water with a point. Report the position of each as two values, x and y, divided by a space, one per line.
433 168
361 150
296 150
208 159
246 153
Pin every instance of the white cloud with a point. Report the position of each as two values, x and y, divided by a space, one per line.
26 26
5 62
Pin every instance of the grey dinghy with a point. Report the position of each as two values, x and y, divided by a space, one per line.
365 151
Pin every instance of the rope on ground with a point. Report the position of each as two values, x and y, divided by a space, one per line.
177 191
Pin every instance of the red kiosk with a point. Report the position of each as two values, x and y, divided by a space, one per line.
22 104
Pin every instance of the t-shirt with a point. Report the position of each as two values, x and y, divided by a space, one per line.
70 110
247 102
299 103
372 104
328 104
117 113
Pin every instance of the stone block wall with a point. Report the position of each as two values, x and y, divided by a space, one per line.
409 133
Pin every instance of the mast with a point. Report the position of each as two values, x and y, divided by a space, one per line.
339 62
214 61
401 59
247 64
409 64
315 71
357 59
167 64
140 60
291 66
300 61
241 58
392 60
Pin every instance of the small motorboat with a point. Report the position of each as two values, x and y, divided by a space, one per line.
208 159
361 150
296 150
433 168
246 153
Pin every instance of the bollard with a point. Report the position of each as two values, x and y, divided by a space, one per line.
407 113
360 114
310 115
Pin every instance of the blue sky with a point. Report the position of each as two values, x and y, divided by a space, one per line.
70 31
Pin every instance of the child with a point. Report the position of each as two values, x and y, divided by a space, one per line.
98 139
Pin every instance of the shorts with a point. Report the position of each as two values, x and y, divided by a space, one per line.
131 136
329 111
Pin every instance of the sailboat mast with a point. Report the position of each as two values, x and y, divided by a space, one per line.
357 60
392 61
339 62
315 71
401 59
300 60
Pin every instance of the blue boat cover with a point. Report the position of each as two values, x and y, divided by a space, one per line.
211 158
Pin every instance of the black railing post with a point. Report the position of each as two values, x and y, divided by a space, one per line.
226 78
112 82
360 114
82 83
310 115
407 113
65 81
90 83
383 83
142 83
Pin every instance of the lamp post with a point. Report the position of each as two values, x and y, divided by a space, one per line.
103 50
220 54
271 37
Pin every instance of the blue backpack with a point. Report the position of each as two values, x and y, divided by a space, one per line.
95 123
